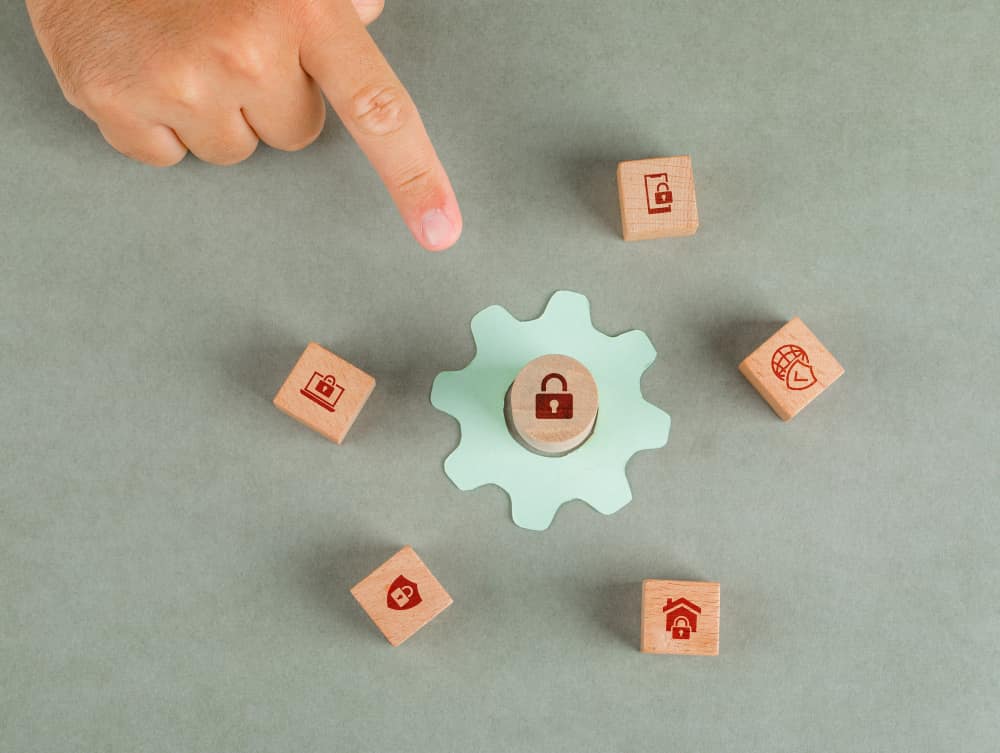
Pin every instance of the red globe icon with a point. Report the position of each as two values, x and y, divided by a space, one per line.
784 357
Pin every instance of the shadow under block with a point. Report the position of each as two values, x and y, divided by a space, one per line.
401 596
791 369
680 617
324 392
552 404
657 198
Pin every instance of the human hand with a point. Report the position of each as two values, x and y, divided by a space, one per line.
161 77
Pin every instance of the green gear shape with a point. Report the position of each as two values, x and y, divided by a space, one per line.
539 485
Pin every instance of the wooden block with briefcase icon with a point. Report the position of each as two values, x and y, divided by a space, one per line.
401 596
325 392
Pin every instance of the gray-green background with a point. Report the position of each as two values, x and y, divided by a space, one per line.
175 554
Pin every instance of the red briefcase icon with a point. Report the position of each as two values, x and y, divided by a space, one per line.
323 390
403 594
554 404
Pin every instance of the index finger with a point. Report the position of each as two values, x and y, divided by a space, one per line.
376 109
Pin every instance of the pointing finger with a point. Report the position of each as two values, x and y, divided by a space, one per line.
378 112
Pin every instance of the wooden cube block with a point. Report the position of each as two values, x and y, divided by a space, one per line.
680 617
324 392
657 198
401 596
791 369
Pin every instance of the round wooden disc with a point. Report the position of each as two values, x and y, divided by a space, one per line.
563 417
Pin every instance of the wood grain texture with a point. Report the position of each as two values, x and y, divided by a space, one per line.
791 369
673 603
553 435
643 217
349 395
415 607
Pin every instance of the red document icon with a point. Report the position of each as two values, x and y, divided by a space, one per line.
659 197
323 390
403 594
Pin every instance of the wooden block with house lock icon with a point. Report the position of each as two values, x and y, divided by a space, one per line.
551 407
680 617
325 392
401 596
657 198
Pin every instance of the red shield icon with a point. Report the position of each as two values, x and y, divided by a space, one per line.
800 376
402 594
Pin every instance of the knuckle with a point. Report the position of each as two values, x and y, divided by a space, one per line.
297 145
168 160
93 97
182 86
380 110
162 159
416 180
243 57
228 154
310 14
74 97
152 157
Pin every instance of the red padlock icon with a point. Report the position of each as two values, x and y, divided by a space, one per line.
554 404
323 390
663 195
402 594
325 387
681 630
659 197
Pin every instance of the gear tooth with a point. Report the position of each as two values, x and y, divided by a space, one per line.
566 304
656 427
638 345
615 492
487 322
535 514
447 394
461 468
439 390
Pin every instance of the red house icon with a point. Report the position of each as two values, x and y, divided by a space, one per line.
682 618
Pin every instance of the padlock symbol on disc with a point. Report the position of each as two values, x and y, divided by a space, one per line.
556 405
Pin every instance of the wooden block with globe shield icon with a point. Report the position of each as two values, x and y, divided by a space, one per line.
401 596
791 369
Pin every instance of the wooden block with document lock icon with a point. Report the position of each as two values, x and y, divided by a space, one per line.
657 198
324 392
401 596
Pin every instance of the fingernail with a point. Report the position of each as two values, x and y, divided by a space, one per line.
437 228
